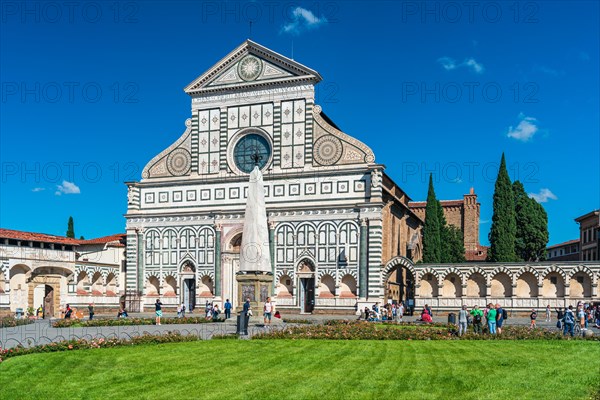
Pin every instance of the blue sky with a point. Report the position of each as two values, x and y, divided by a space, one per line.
91 91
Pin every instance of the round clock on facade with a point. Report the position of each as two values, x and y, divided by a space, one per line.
250 68
252 149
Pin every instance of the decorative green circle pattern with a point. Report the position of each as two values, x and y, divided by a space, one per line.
179 162
328 150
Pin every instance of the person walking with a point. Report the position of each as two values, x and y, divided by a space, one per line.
533 317
462 320
158 311
499 318
400 311
91 310
491 315
268 311
68 312
179 311
569 322
477 319
227 307
548 312
246 308
581 316
182 310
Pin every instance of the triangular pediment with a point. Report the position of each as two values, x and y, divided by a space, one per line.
249 66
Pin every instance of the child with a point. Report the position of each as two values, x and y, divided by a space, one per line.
533 317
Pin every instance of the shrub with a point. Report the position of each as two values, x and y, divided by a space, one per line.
296 321
360 330
78 344
10 322
67 323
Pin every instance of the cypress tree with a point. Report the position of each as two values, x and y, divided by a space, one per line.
504 227
70 228
456 244
532 226
445 236
431 228
541 223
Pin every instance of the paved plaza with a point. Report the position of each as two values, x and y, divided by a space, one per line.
42 332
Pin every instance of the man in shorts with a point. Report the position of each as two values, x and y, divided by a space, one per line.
268 311
499 318
158 311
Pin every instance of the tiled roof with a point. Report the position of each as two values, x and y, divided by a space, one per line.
448 203
574 241
118 238
36 237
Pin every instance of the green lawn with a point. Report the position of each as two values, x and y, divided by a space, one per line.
311 369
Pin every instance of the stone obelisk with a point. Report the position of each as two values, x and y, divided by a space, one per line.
255 278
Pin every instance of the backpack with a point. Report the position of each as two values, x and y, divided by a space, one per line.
569 318
504 314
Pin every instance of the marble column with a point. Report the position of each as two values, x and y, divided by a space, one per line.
218 283
363 259
272 253
140 261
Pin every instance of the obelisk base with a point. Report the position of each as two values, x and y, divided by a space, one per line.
256 286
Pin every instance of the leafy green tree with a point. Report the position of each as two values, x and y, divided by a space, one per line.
432 228
70 229
504 225
532 226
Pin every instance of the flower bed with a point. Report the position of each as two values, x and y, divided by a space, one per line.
67 345
76 323
9 322
296 321
352 330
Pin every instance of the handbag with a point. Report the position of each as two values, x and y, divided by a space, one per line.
558 324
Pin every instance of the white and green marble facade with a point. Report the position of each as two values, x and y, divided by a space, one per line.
320 186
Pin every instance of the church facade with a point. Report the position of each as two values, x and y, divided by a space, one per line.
328 201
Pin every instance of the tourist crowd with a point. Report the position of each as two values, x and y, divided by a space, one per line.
491 318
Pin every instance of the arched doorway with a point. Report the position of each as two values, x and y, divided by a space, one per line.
43 296
188 285
306 276
399 282
48 301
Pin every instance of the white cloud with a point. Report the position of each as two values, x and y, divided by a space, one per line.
543 196
525 130
450 64
474 65
67 188
548 71
37 189
302 20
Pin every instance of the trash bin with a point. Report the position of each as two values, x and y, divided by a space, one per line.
452 318
19 313
242 324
